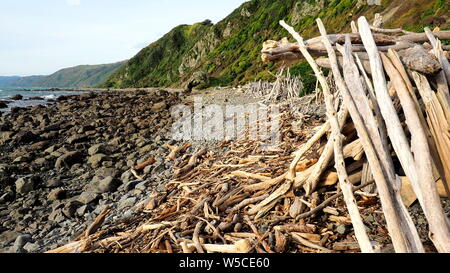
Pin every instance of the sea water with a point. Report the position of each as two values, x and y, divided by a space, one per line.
7 93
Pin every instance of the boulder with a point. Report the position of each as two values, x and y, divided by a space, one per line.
198 78
68 159
57 194
108 184
25 185
96 149
17 97
88 197
96 160
3 105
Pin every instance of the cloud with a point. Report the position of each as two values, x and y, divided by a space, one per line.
73 2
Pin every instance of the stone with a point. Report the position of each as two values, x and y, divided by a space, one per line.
31 247
70 208
17 97
157 107
24 185
68 159
341 229
88 197
56 216
126 176
96 149
105 172
3 105
53 183
126 203
5 136
25 137
129 186
7 197
8 236
103 185
20 241
76 139
57 194
95 160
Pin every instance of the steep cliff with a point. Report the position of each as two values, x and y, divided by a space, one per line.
230 50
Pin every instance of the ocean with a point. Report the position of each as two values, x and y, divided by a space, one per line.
7 93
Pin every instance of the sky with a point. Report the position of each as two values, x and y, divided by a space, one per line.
41 37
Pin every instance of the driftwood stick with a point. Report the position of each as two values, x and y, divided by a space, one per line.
325 203
97 222
400 226
426 190
346 186
299 154
195 238
327 155
249 201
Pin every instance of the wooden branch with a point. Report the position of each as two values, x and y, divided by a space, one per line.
144 164
299 154
175 150
327 155
97 222
241 246
346 186
400 225
191 163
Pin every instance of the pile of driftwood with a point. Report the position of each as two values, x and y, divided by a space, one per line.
285 87
385 144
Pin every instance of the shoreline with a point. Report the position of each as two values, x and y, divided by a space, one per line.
92 89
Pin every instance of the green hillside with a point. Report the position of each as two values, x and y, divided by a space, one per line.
73 77
230 50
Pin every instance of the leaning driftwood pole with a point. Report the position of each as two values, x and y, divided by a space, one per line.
425 190
346 186
402 231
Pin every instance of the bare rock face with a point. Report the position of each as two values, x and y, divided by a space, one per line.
197 79
303 8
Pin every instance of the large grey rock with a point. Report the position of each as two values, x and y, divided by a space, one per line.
97 149
88 197
20 242
96 160
126 203
24 185
108 184
68 159
56 194
7 237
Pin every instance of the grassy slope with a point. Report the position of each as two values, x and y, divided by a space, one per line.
235 58
73 77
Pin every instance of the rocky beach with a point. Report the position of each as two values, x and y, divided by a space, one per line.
61 164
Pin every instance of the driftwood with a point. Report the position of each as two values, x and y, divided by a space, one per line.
243 199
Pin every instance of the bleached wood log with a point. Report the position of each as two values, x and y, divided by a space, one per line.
325 158
398 139
337 139
426 190
438 123
390 204
301 152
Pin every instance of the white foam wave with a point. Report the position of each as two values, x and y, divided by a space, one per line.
50 97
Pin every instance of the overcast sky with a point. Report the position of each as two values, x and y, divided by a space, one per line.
43 36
